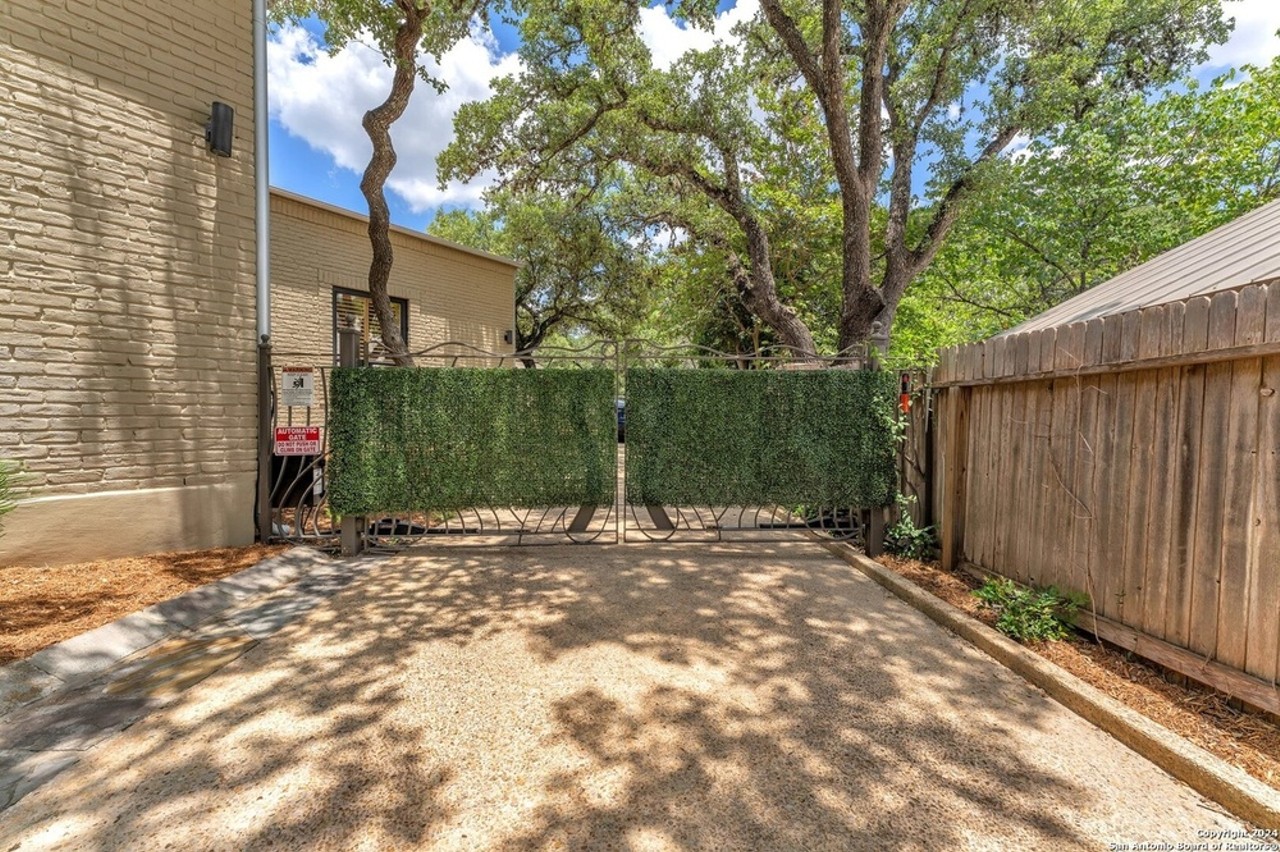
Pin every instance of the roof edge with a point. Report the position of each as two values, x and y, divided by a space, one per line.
398 229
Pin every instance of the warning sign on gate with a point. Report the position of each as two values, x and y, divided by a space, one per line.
297 440
297 386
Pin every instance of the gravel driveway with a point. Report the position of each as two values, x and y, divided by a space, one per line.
615 697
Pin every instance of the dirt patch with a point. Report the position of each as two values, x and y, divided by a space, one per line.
1203 716
41 605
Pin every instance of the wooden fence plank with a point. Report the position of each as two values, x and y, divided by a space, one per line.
1150 323
1006 516
1021 354
1195 325
1063 443
1255 691
1110 494
1251 316
1132 335
1092 355
1211 497
1240 465
1222 320
975 480
1069 352
1112 338
1262 654
1135 428
1171 334
988 463
1033 352
1024 487
1272 332
951 516
1048 349
1163 484
1188 441
1085 502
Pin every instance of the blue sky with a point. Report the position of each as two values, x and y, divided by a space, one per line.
318 148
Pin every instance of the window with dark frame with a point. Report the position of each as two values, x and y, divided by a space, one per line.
354 309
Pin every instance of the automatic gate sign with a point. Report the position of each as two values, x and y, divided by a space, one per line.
297 440
297 386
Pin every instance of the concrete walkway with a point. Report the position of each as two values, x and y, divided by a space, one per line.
70 697
620 697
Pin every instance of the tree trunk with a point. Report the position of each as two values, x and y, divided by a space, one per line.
377 124
760 293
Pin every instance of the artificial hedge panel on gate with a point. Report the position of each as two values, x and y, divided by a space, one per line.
420 439
759 437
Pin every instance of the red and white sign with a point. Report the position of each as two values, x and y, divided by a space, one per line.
297 440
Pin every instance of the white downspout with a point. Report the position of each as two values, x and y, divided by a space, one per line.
262 181
262 243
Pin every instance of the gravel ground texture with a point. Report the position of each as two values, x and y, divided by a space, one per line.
763 696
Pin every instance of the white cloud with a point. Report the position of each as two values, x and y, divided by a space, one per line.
668 41
321 99
1254 40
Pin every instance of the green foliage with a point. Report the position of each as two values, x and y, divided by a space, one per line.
1089 201
419 439
904 538
8 485
790 154
585 268
1029 615
350 21
759 437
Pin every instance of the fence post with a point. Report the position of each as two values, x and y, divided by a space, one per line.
955 453
349 356
266 420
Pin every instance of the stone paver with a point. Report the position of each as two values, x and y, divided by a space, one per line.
620 697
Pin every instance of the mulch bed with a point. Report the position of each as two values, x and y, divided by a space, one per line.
1203 716
41 605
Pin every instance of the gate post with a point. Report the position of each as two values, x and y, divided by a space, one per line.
877 350
266 388
352 527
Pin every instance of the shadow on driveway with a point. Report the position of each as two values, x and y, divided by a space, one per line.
655 696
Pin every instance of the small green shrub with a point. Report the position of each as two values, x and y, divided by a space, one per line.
1027 614
907 540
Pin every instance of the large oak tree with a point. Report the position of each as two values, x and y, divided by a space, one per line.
403 30
913 101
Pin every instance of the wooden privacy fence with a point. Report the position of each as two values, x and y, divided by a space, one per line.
1135 458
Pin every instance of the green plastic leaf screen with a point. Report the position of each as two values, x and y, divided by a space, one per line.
445 439
760 437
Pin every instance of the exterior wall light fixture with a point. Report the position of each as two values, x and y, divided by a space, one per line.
219 130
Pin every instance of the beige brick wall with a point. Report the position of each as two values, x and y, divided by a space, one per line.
453 294
126 266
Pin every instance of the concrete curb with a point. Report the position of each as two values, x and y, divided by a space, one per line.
1207 774
81 658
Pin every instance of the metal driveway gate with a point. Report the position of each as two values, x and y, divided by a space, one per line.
698 472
